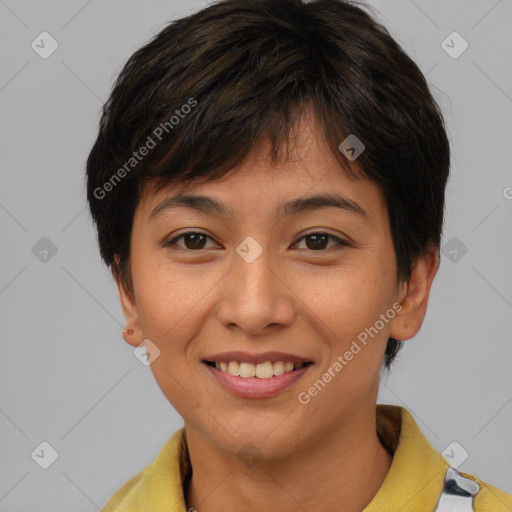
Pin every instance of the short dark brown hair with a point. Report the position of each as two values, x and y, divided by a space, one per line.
213 84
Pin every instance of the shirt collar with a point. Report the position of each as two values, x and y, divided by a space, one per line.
416 476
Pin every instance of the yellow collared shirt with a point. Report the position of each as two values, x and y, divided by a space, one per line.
413 484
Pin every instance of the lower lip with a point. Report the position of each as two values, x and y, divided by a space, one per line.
253 387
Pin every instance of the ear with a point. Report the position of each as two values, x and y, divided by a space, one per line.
413 296
129 306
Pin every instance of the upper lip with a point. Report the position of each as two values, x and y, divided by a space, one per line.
256 358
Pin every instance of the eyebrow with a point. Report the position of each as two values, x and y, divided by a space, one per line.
295 206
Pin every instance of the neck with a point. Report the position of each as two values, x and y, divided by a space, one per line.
341 471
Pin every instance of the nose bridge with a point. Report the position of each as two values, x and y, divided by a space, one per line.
254 278
254 297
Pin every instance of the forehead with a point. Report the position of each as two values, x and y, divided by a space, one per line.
259 185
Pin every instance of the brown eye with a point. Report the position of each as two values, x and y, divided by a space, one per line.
192 241
319 241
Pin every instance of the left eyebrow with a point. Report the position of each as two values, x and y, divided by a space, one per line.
322 201
293 207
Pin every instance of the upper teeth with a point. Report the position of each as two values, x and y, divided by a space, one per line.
262 370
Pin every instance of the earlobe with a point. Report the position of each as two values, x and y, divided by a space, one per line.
132 333
413 297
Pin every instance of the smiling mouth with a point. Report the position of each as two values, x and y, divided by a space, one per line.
266 370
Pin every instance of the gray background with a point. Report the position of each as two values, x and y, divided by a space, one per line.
66 375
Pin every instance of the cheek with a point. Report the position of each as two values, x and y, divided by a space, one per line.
346 315
348 309
354 299
171 311
169 303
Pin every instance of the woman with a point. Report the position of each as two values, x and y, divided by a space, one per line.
268 187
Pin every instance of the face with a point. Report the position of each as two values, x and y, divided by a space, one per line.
267 276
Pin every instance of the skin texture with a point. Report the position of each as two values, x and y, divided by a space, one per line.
292 298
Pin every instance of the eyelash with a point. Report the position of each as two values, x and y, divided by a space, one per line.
172 242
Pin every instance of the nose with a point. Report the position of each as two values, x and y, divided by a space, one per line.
255 296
